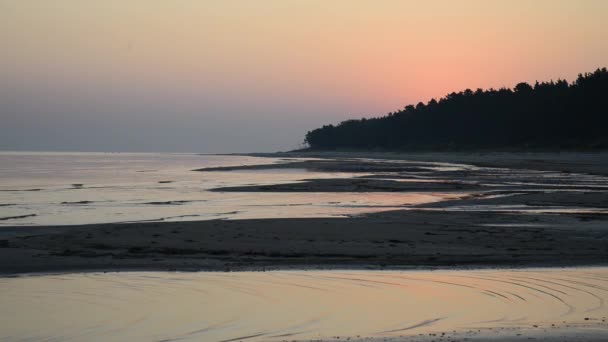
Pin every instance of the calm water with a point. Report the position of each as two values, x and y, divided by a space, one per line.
275 306
78 188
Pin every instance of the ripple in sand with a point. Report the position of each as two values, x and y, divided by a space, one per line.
272 306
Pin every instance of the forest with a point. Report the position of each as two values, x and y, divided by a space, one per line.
546 115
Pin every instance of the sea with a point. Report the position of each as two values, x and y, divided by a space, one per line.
70 188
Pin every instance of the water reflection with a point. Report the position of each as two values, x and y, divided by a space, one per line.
81 188
278 305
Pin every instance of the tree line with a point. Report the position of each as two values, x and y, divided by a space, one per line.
554 114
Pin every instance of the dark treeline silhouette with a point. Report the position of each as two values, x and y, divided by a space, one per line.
546 115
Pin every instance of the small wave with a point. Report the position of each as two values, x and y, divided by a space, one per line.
179 216
227 213
76 202
16 217
160 219
417 325
244 337
14 190
173 202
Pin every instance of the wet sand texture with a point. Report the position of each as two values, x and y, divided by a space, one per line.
417 238
492 217
299 305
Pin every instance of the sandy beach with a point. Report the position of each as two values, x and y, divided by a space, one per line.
494 217
503 213
549 304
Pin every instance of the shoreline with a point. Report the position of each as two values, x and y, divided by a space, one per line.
309 268
372 241
590 162
489 218
505 217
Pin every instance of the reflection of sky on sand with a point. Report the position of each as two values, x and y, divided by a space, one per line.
296 304
217 205
522 208
80 188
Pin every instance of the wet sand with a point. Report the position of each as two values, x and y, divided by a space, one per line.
568 161
506 305
490 217
396 239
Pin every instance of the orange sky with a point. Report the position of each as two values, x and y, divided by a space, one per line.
313 61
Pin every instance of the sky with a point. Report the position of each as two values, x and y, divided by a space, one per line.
248 76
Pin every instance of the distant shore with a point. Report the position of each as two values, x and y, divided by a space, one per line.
563 223
586 161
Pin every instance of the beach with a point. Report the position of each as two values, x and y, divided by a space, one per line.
545 304
457 218
488 217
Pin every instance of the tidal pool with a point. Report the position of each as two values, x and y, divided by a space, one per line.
295 305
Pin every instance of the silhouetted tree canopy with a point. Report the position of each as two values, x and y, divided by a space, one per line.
547 115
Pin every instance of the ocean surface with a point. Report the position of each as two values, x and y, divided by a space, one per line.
47 188
299 305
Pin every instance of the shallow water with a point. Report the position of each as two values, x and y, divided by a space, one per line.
45 188
279 305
